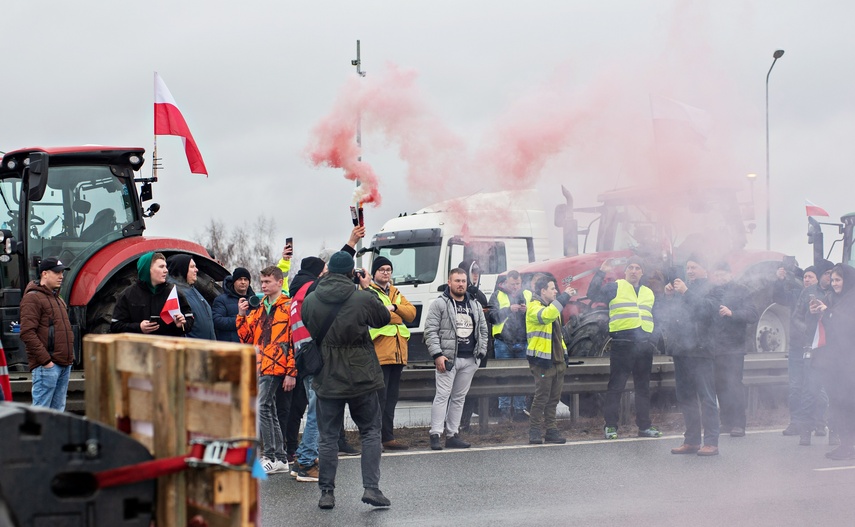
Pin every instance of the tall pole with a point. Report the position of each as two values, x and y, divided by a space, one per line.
775 56
358 63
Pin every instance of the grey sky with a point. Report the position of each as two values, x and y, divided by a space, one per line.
253 78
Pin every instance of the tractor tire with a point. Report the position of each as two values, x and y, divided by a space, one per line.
772 331
588 334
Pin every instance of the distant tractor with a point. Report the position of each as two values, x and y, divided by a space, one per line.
816 239
664 228
80 204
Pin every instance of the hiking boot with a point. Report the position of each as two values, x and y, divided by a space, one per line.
792 430
455 442
841 453
434 442
346 449
308 475
737 431
611 432
650 432
295 468
686 449
395 445
833 438
327 500
707 450
821 431
554 436
375 498
804 438
534 436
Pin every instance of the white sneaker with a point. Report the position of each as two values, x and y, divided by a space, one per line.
279 467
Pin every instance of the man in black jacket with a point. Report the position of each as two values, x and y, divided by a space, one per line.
730 327
351 373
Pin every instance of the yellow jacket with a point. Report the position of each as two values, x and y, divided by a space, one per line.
391 348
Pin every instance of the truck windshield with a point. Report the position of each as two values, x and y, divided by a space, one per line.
412 263
83 209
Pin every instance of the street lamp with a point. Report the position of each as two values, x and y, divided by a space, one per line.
775 56
752 178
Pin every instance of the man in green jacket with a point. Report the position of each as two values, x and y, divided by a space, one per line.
351 373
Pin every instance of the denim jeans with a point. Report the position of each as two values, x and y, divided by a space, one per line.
451 389
695 377
514 351
50 386
807 399
365 412
307 452
268 422
627 359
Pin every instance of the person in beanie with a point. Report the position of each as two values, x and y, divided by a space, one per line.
139 306
46 332
631 329
390 343
225 308
351 373
183 274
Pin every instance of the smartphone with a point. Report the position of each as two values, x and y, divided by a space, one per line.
289 242
154 319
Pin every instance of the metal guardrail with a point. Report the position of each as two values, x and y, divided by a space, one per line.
501 377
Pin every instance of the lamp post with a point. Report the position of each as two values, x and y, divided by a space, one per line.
752 178
775 56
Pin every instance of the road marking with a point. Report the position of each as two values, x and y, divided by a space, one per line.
829 469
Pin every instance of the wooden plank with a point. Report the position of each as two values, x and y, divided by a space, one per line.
134 357
170 435
98 352
227 487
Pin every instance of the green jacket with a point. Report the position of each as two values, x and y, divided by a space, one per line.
351 367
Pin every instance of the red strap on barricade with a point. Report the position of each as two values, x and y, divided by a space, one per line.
233 457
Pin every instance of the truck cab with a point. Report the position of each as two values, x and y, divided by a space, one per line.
500 230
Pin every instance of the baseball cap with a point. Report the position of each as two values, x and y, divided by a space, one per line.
52 264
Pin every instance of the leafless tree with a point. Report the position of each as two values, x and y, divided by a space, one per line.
252 246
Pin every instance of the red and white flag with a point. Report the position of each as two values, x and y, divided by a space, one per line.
5 386
819 336
169 121
171 308
815 210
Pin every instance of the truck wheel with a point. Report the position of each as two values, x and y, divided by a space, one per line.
588 335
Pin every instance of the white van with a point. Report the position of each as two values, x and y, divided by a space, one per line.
500 230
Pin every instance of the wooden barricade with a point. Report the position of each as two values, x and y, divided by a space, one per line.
168 391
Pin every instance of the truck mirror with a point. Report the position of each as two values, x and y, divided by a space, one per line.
37 172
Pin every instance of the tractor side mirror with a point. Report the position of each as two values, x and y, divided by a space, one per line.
37 173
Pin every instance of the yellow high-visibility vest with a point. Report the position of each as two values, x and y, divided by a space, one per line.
389 330
629 310
538 327
504 301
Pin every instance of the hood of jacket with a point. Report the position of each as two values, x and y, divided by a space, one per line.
300 279
848 275
144 270
334 288
35 286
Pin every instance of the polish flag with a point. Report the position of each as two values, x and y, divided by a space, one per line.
815 210
169 121
171 308
819 336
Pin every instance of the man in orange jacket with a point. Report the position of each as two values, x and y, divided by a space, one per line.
390 343
268 328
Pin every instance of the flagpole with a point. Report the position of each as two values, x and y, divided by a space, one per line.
358 64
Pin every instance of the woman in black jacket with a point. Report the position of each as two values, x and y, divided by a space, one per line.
139 306
836 360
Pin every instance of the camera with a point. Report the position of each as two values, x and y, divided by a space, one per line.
254 301
358 274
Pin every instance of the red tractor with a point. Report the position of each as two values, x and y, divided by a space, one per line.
664 228
80 204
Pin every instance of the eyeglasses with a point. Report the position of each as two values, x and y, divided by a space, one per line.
384 271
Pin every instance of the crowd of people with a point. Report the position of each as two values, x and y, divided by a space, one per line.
358 320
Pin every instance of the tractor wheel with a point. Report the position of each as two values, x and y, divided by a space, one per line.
588 335
771 333
99 312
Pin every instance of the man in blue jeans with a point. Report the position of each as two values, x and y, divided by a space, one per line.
46 332
507 313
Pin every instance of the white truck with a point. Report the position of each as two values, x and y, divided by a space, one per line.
500 230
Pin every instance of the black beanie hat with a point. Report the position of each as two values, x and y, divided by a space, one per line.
822 266
379 262
178 265
312 265
241 272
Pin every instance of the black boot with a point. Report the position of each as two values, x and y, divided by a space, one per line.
534 436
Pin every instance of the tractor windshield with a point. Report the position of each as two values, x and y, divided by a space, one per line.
10 191
83 209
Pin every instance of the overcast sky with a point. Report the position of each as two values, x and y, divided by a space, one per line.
253 79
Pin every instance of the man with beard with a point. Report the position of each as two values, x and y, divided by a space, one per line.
225 308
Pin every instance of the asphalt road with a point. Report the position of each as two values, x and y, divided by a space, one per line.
759 480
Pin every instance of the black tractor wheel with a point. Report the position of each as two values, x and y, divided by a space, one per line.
588 334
